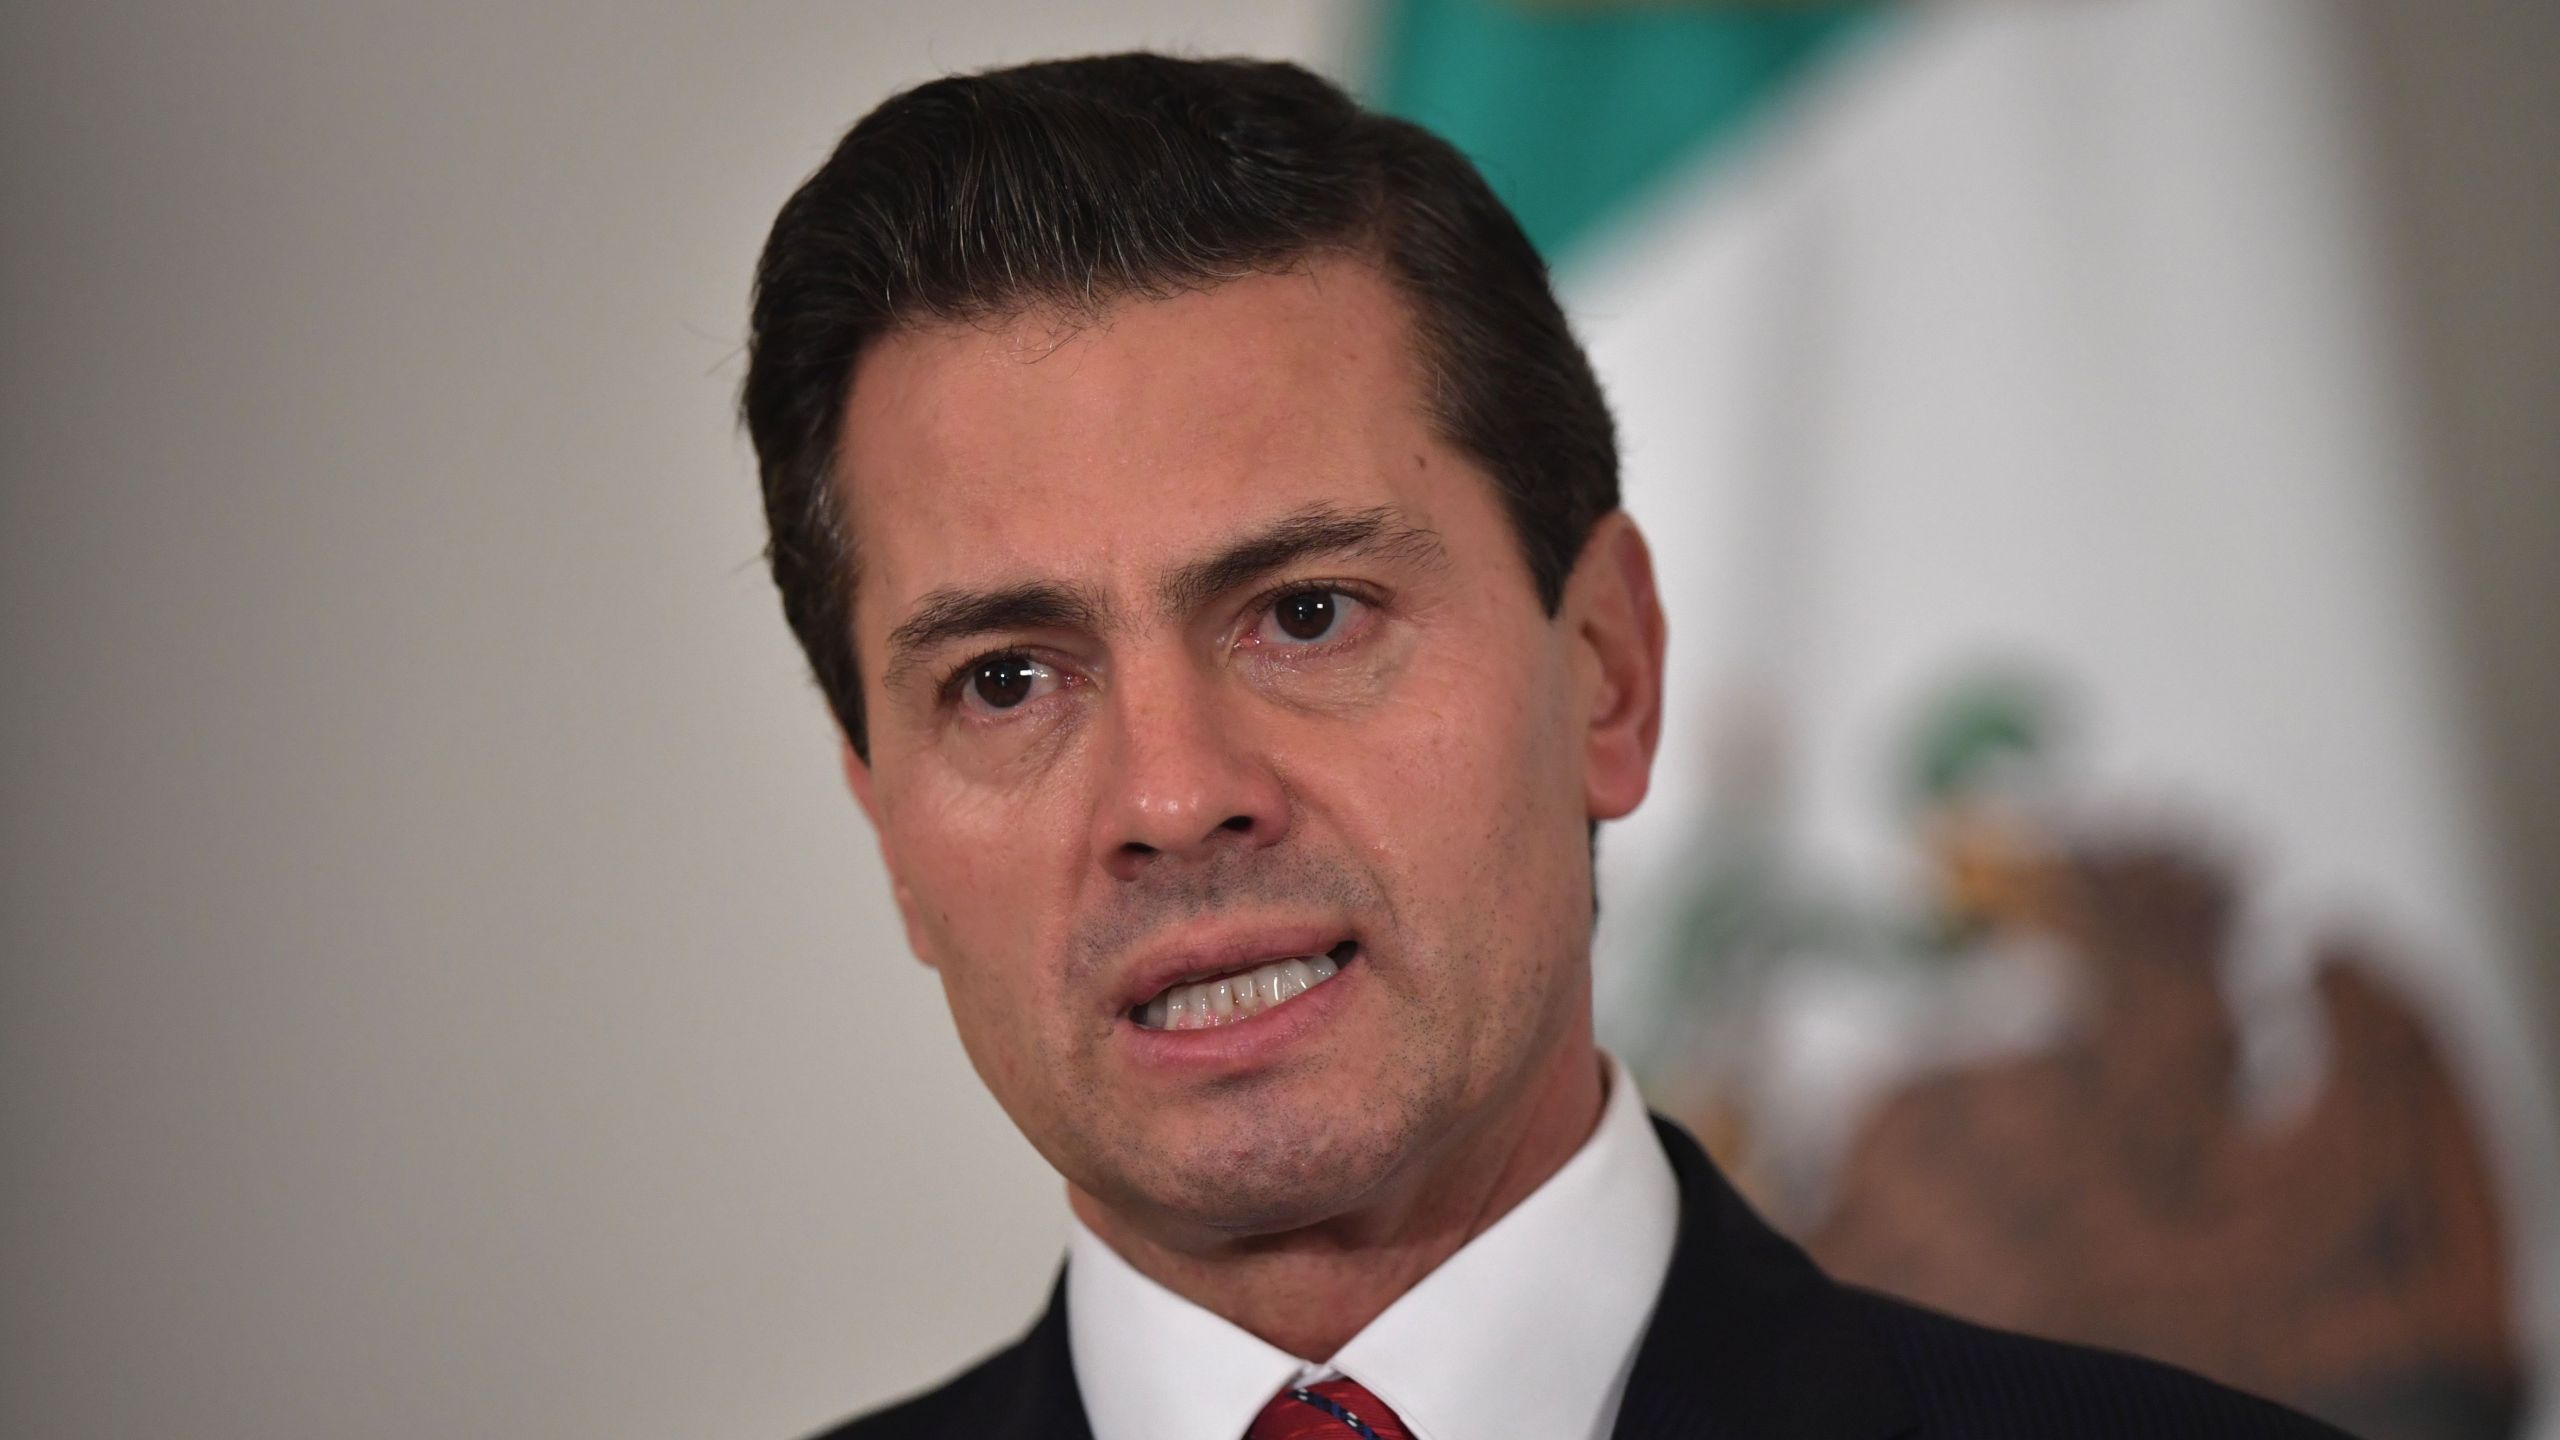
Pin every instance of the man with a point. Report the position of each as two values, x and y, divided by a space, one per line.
1204 527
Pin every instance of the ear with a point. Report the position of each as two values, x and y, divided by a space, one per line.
857 778
1619 635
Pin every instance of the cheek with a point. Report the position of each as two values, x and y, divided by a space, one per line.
986 875
1470 790
990 901
1497 743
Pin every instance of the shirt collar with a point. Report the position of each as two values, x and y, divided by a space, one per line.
1152 1365
1528 1329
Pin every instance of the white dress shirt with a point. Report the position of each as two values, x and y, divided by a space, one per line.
1528 1331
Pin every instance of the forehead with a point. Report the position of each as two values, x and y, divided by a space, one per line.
985 453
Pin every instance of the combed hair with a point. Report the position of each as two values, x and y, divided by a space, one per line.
1074 184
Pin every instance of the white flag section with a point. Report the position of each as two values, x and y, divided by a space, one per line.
2055 336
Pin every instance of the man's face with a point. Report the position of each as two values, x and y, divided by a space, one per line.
1190 650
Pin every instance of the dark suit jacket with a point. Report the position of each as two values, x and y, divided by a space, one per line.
1749 1341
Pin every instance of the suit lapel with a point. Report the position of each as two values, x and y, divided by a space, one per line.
1040 1399
1749 1340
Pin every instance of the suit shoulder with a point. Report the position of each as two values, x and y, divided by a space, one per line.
1971 1382
985 1399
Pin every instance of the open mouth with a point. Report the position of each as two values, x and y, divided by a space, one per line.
1243 994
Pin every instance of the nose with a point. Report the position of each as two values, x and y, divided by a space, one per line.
1185 777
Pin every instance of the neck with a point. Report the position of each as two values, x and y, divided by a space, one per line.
1308 1291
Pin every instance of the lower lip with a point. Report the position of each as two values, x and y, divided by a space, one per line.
1248 1044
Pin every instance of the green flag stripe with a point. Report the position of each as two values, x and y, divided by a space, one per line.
1573 109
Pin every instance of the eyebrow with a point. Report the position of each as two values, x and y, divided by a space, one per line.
952 614
1302 535
956 613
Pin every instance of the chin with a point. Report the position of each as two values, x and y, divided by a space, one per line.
1265 1174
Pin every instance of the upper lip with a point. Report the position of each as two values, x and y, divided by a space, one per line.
1204 952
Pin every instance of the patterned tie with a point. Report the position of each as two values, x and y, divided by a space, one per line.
1326 1410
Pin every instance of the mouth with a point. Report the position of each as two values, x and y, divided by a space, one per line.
1240 995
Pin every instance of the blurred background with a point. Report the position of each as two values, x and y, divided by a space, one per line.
2104 873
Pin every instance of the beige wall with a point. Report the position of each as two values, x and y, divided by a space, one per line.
2463 100
446 991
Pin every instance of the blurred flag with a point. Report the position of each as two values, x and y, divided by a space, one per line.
2064 895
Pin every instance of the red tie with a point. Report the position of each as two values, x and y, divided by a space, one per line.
1326 1410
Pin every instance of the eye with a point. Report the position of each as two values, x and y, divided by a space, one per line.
1307 617
1000 682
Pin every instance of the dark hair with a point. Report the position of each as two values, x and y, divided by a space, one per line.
1075 183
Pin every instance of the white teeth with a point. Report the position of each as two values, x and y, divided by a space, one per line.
1237 997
